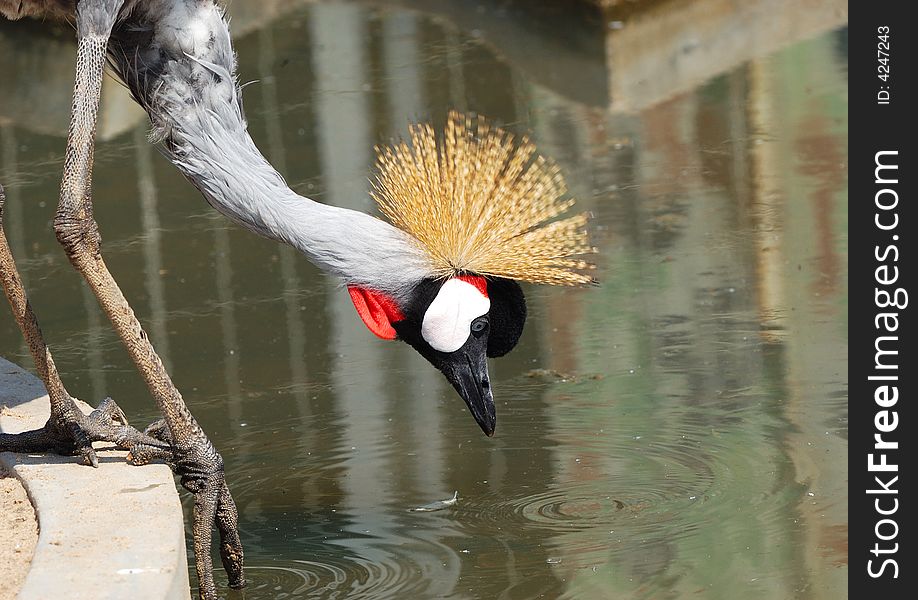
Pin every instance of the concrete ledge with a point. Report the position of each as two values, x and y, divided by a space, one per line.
113 532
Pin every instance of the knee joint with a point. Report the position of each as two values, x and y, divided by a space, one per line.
76 232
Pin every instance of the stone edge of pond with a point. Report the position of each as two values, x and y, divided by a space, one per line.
112 532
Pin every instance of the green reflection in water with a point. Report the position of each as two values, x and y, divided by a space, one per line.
680 429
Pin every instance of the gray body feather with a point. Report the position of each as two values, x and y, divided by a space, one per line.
177 60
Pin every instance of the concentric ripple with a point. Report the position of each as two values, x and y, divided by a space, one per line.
342 575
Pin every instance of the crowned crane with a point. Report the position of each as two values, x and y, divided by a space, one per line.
469 213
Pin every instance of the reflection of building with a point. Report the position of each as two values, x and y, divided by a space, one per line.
726 297
719 212
664 49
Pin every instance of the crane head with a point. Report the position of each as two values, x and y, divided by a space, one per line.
456 324
484 211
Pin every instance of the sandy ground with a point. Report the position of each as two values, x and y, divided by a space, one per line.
18 534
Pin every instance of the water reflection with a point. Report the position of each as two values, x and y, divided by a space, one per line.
678 430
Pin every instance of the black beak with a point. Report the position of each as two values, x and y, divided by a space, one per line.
469 375
466 369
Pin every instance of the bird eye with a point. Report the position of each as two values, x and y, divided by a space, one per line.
479 325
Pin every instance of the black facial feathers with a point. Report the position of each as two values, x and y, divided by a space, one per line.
409 329
507 315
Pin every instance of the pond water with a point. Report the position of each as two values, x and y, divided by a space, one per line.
679 430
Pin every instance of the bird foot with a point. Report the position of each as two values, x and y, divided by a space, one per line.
71 432
142 454
200 470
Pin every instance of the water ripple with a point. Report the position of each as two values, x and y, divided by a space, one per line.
334 575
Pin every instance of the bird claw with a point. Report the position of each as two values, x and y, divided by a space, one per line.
200 470
198 464
214 506
159 430
108 423
145 453
70 432
107 413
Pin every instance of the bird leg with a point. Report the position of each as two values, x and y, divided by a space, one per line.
192 456
68 430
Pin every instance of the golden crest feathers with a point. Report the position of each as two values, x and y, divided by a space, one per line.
479 202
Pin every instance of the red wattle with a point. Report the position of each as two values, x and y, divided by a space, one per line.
377 311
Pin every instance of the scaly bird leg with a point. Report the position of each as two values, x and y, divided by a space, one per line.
68 430
193 457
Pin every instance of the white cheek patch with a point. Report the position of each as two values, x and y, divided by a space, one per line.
449 317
